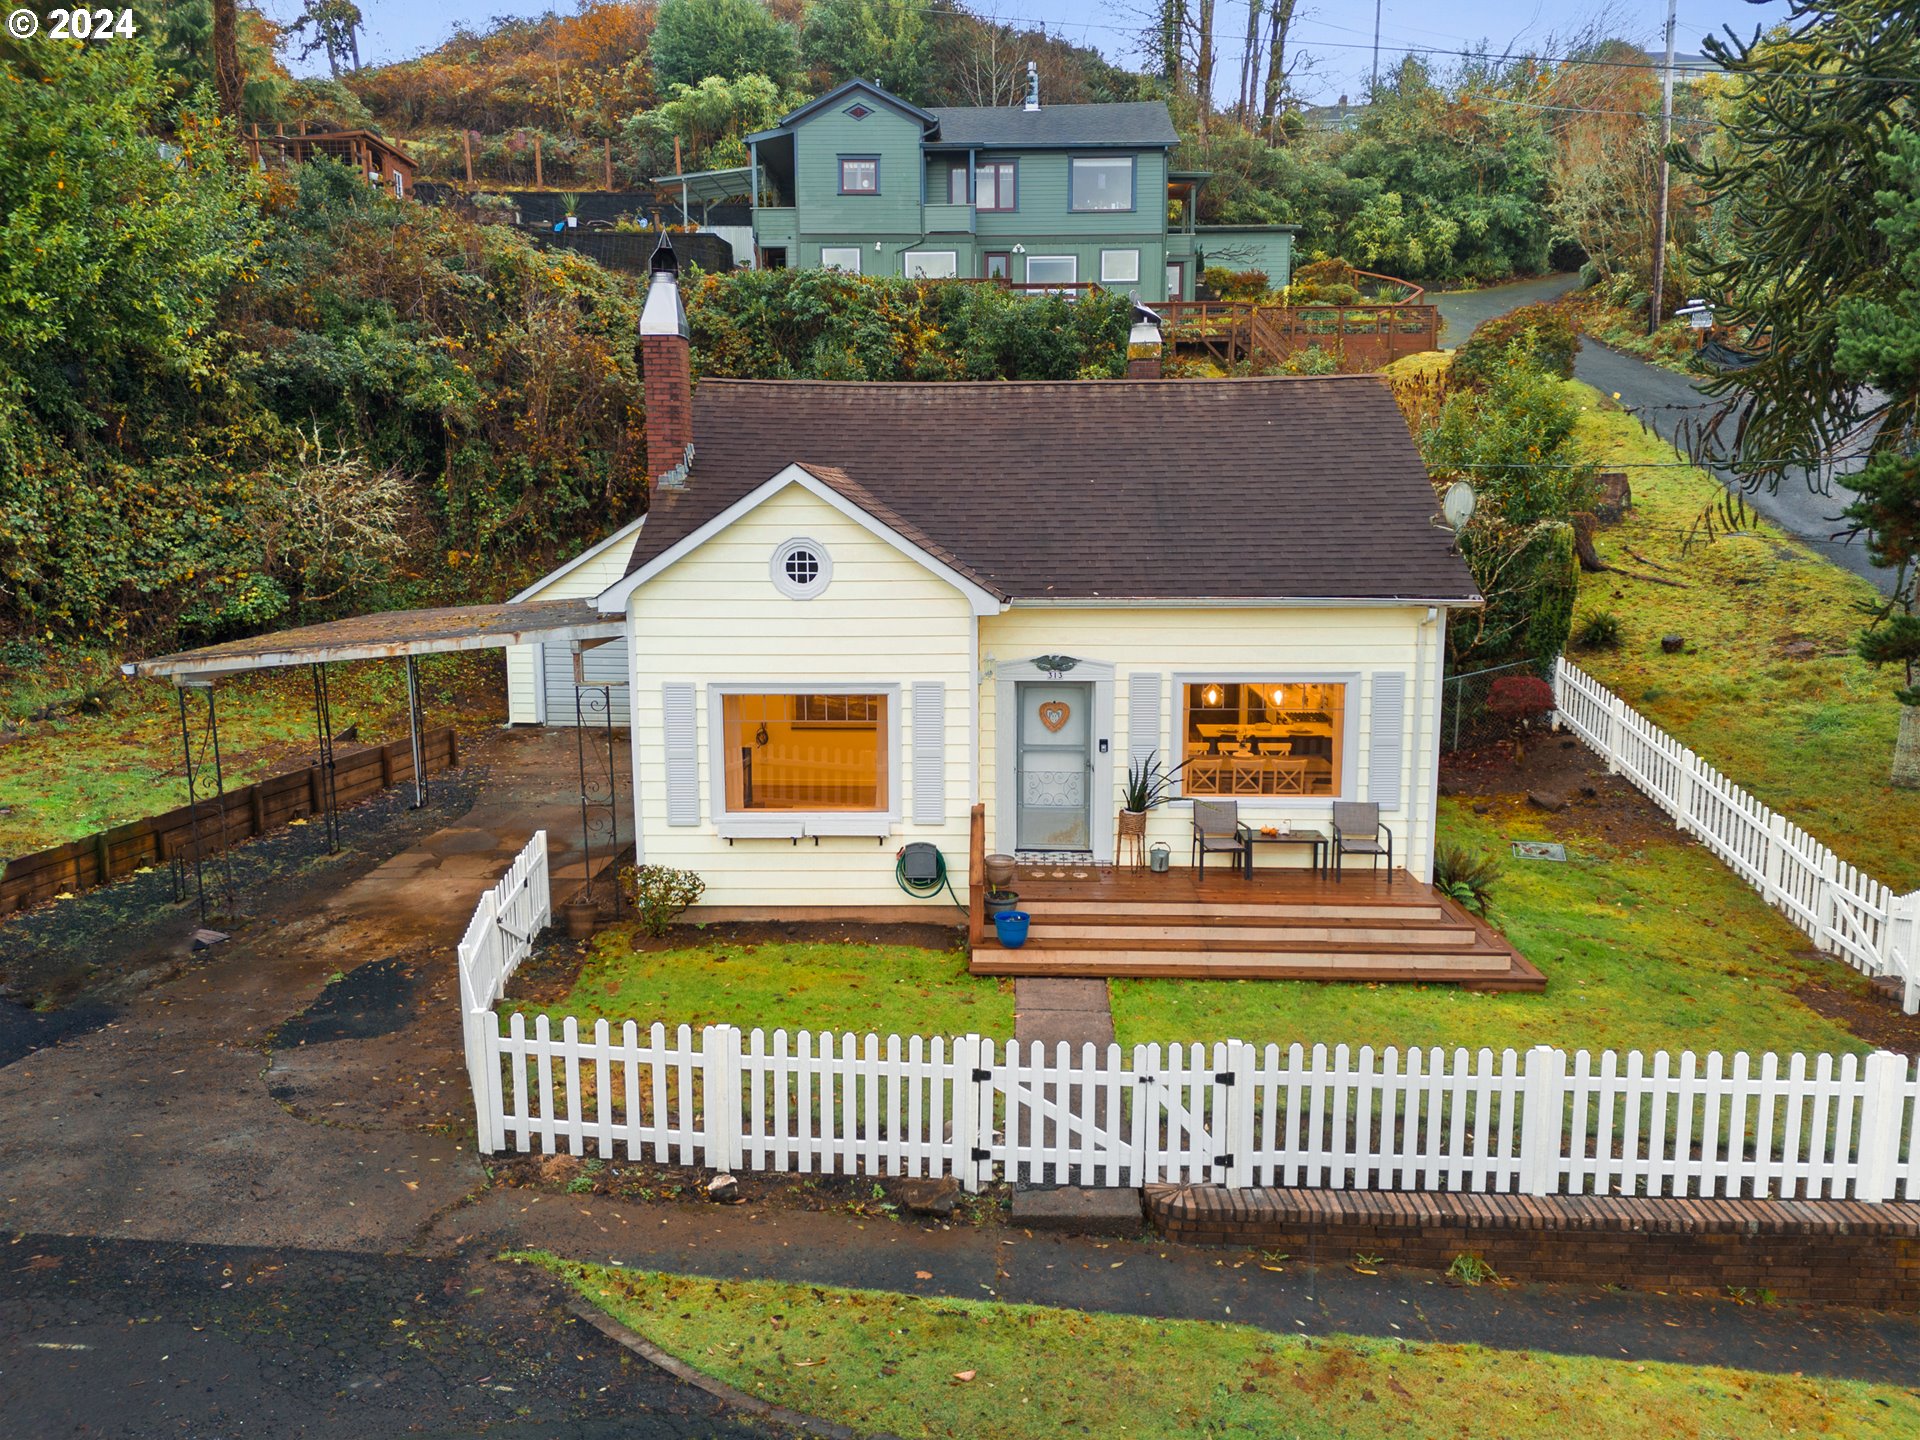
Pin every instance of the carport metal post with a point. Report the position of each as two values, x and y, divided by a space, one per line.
590 799
210 740
323 727
414 732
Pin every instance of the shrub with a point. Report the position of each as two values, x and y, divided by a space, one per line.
1466 877
1236 284
1520 697
1311 361
658 893
1553 584
1547 339
1598 630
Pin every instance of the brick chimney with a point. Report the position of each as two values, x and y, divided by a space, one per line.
1144 345
666 374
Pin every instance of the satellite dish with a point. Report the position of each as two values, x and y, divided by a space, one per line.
1456 506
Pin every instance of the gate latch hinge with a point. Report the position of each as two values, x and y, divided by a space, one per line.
983 1074
1224 1077
980 1154
1223 1162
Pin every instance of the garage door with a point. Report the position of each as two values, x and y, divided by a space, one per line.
605 665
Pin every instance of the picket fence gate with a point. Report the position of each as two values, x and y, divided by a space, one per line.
1845 911
1539 1122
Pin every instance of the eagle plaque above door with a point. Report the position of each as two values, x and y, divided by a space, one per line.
1054 714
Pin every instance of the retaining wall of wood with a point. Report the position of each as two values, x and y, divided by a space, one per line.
1834 1252
243 813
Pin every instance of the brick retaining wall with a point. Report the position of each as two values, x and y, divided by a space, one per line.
1836 1252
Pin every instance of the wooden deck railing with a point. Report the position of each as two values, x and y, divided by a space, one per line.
977 877
1358 337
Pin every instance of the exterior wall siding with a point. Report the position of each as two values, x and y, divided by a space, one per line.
819 143
715 618
585 580
1189 642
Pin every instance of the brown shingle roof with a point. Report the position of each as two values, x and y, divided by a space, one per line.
1296 488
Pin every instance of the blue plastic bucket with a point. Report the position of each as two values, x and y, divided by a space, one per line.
1012 927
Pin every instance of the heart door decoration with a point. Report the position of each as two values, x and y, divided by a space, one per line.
1054 715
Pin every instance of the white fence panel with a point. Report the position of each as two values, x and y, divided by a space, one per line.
1847 913
1799 1127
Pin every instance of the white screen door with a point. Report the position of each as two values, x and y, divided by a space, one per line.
1055 766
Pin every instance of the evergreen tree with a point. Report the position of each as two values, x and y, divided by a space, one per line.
1814 265
885 41
693 39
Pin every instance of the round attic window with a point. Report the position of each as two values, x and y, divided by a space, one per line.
801 569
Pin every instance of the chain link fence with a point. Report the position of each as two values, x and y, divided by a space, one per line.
1465 720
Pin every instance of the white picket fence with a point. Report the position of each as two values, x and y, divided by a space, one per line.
1542 1122
1845 911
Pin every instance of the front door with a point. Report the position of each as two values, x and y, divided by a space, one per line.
1176 280
1054 766
999 265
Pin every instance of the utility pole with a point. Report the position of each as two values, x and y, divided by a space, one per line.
1666 138
1376 50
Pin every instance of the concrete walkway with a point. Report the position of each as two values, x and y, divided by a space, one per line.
1302 1295
1055 1010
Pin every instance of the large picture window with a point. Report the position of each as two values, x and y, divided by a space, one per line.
1272 738
1102 182
805 752
1060 270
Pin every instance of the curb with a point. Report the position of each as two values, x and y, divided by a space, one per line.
719 1389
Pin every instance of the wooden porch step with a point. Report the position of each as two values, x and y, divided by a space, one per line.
1203 911
1303 964
1206 937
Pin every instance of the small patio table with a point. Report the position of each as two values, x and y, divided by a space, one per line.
1253 837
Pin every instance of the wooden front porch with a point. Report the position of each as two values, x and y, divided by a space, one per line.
1283 924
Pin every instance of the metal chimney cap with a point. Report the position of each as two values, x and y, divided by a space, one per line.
1033 85
664 260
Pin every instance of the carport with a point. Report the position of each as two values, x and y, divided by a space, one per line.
395 635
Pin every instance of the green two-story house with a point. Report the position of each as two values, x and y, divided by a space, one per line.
1055 197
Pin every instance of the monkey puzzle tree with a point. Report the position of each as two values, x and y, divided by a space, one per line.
1814 263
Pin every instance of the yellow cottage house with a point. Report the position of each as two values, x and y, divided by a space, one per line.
856 611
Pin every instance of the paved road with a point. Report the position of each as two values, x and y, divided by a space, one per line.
116 1338
1669 402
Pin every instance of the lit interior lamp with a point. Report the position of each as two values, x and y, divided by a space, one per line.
1211 695
1279 696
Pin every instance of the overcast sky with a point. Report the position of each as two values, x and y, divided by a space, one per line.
1338 36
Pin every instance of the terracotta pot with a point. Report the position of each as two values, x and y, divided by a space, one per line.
583 918
999 870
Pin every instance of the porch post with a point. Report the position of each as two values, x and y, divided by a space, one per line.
414 733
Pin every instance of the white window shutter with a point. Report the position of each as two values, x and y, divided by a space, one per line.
683 761
1387 749
1143 718
929 752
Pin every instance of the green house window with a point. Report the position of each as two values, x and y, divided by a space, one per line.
1102 182
859 174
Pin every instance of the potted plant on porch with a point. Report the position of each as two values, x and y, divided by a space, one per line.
1148 785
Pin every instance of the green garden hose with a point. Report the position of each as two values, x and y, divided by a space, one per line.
926 889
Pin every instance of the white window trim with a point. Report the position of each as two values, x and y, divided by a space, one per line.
1109 278
853 250
952 257
797 824
785 584
1349 788
1073 260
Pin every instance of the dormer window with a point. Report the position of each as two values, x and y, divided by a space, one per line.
859 174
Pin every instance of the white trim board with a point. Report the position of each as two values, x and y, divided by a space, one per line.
626 532
613 600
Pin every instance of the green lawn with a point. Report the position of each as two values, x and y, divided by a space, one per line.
1813 737
888 989
1654 947
67 777
967 1368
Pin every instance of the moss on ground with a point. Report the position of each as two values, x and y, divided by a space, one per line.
1651 945
887 989
933 1367
68 776
1769 689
